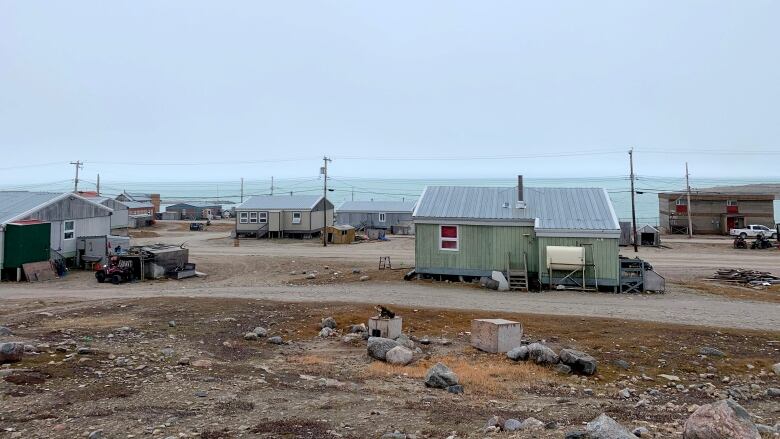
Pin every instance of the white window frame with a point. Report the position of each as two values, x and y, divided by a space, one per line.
732 203
382 217
298 220
243 217
252 217
456 239
681 202
262 217
68 230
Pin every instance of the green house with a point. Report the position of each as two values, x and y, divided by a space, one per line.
474 231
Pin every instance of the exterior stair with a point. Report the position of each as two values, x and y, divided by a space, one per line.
517 277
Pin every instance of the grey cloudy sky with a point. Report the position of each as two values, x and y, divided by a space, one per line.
215 82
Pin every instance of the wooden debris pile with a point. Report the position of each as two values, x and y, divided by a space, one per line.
753 278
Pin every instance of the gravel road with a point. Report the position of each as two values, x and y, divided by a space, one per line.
674 307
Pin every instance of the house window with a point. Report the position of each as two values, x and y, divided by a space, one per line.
382 217
69 231
448 238
681 205
253 217
243 217
732 206
296 218
263 217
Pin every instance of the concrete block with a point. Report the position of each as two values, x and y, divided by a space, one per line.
383 327
496 335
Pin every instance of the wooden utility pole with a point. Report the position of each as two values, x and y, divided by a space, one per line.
633 203
242 189
98 185
79 164
272 185
688 207
324 172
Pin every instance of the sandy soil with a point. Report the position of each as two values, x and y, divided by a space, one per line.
130 383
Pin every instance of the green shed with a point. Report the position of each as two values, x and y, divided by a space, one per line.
24 242
473 231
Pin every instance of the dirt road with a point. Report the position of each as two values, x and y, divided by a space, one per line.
675 307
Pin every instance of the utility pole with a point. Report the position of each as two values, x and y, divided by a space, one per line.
98 185
353 193
79 164
272 185
633 203
242 189
324 172
688 194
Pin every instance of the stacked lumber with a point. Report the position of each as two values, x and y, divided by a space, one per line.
744 276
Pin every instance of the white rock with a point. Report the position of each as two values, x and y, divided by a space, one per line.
399 355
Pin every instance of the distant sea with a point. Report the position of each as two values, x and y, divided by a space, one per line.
343 189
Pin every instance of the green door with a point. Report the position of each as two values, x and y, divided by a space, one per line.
26 243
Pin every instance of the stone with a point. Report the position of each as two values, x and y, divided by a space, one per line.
202 363
498 276
172 323
276 340
394 435
84 350
11 352
541 354
167 352
604 427
575 435
97 434
311 276
378 347
201 393
328 322
773 392
776 369
496 335
767 431
669 377
351 338
364 278
326 332
531 424
405 341
518 353
563 369
621 364
456 389
184 361
493 423
641 432
625 394
356 329
5 331
260 331
356 271
711 352
579 361
440 376
250 336
399 355
512 425
720 420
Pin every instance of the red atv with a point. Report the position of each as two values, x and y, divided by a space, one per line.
116 271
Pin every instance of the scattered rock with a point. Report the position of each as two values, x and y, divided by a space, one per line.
378 347
201 393
563 369
405 341
250 336
456 389
326 332
364 278
440 376
356 271
605 427
260 331
400 355
531 424
97 434
5 331
328 322
355 329
84 350
184 361
625 394
202 363
641 432
768 431
276 340
776 369
168 352
711 352
394 435
494 423
669 377
622 364
172 323
512 425
11 352
311 276
518 353
578 361
722 419
351 338
541 354
425 341
773 392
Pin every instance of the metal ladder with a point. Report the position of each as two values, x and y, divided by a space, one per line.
518 279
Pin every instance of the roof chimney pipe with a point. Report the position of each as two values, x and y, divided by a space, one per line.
520 201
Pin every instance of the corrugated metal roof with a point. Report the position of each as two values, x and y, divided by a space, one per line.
15 203
271 202
137 204
194 204
377 206
551 208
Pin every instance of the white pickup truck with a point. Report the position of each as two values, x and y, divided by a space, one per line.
754 230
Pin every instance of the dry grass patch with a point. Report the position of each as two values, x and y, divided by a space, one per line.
310 360
480 375
765 294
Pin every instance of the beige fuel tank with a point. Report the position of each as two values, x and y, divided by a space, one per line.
565 258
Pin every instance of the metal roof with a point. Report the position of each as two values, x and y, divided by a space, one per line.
137 204
271 202
16 204
194 204
549 208
377 206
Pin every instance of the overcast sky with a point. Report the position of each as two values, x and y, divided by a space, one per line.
216 82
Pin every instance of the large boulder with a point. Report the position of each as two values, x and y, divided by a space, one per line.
399 355
776 369
541 354
440 376
11 352
405 341
5 331
605 427
720 420
518 353
378 347
328 322
578 361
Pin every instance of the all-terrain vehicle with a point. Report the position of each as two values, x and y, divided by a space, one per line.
196 227
761 243
739 242
116 272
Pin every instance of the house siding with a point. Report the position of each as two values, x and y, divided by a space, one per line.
371 219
